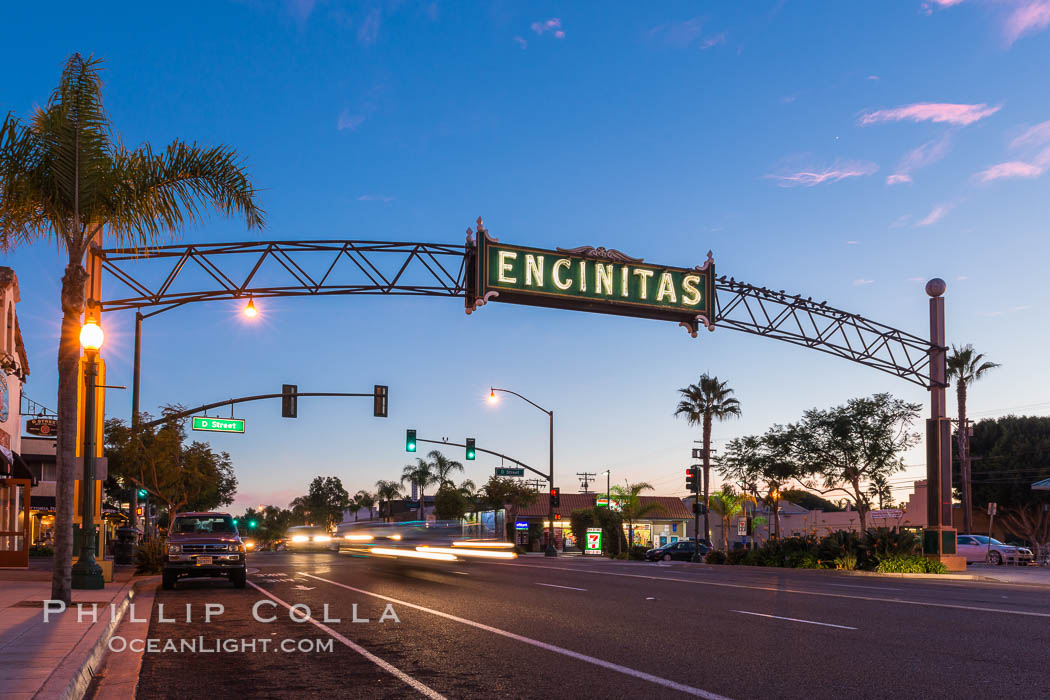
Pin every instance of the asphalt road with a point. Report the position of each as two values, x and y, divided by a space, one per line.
574 628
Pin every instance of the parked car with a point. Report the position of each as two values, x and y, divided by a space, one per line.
204 544
682 550
976 548
309 538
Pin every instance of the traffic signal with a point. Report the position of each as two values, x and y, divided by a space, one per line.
691 483
410 441
143 493
138 511
235 521
289 400
470 448
556 497
557 516
379 400
252 523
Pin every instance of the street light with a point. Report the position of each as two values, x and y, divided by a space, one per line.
250 311
550 551
86 573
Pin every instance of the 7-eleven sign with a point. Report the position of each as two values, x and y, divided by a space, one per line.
593 543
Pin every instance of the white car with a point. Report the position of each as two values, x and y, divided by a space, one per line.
976 548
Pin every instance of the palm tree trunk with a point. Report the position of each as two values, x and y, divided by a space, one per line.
68 367
707 475
962 437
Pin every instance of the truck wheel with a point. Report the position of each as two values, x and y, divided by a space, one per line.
239 578
168 582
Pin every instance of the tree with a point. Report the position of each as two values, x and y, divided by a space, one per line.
450 503
631 506
726 503
809 501
323 503
364 499
509 494
443 467
850 446
965 367
387 491
421 474
183 477
702 403
761 466
66 177
1014 453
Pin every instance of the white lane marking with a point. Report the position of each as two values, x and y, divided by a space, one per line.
424 690
554 585
542 645
461 573
856 585
794 619
1001 611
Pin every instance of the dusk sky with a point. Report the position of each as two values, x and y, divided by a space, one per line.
844 151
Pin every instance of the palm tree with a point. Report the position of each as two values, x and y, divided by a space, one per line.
965 367
422 474
387 491
66 177
702 403
726 503
443 466
631 506
364 499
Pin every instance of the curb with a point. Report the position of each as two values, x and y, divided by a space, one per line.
935 577
83 677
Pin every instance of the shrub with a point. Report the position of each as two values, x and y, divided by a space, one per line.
737 556
847 562
910 564
41 550
149 556
837 545
638 552
715 557
881 543
621 555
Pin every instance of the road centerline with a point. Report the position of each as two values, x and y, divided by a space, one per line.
424 690
554 585
793 619
642 675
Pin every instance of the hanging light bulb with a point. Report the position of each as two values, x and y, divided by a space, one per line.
250 311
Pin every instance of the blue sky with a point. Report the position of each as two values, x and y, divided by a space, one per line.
845 151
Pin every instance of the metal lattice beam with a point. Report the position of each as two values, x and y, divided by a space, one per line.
434 269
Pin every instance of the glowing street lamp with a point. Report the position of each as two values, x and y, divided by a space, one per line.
250 311
492 396
86 573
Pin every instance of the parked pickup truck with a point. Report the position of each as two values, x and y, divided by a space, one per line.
204 544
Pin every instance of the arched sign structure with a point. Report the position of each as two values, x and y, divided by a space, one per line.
593 279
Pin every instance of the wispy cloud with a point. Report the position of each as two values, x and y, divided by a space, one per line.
713 41
375 198
852 242
898 179
300 9
350 121
1010 169
832 173
1033 136
1027 17
916 279
521 42
935 215
552 26
862 282
368 32
901 221
677 34
873 77
926 154
941 112
962 278
1004 312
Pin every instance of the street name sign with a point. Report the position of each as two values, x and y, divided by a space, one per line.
886 513
592 279
593 542
510 471
218 425
521 525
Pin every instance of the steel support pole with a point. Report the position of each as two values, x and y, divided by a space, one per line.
939 537
551 550
135 408
86 573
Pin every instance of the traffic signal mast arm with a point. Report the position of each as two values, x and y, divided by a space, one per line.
490 452
243 399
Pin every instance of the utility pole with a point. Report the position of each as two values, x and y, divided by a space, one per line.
585 479
534 484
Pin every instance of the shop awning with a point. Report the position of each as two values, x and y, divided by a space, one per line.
14 467
1043 485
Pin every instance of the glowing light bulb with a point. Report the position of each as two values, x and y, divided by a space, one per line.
250 311
91 335
492 396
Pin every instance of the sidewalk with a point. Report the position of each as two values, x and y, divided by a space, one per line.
1032 575
55 659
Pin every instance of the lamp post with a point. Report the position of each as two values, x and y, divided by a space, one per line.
86 573
550 551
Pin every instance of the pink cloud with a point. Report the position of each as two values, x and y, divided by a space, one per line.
521 42
898 179
833 173
712 41
1035 136
935 215
553 25
1014 168
932 112
926 154
1029 16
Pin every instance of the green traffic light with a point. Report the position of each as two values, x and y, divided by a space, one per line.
235 521
143 493
470 448
410 440
252 523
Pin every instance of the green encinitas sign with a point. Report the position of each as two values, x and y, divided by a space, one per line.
591 279
218 425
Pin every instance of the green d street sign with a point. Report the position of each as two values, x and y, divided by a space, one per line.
510 471
218 425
